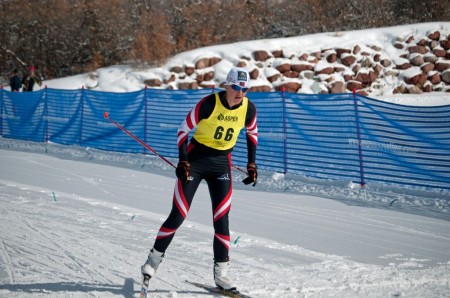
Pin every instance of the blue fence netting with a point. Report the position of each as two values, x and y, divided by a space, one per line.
331 136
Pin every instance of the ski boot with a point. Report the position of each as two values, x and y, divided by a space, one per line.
221 277
149 269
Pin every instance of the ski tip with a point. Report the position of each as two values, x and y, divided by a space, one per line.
106 115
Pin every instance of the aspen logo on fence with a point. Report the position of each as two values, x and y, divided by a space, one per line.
382 146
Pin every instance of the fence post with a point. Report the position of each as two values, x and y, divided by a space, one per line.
283 96
82 115
1 111
358 135
46 114
145 119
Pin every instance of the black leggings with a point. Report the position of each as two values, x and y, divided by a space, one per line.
216 172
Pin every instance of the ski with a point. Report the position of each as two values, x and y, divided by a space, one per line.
219 291
144 286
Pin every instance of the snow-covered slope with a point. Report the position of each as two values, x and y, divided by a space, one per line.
79 223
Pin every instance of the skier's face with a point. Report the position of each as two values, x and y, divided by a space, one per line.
235 94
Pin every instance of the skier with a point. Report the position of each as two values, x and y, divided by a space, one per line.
219 118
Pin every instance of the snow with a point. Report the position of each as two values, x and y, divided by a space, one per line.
79 222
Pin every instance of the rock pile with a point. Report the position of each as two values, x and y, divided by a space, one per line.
423 65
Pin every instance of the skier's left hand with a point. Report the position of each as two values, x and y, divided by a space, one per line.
252 174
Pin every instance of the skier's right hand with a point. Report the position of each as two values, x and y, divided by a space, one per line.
182 171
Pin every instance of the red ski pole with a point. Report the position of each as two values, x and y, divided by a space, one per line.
239 169
106 115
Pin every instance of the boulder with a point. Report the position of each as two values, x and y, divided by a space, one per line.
214 60
418 79
377 69
170 79
427 87
323 68
153 82
330 56
434 77
261 55
187 85
418 49
307 74
291 87
176 69
376 57
431 58
400 89
445 44
445 76
278 54
199 77
427 67
303 57
442 65
413 89
263 88
435 35
348 59
337 87
410 39
254 74
366 77
202 63
339 68
354 85
340 51
399 45
242 63
386 62
416 59
403 66
189 70
283 67
208 76
299 67
423 42
274 78
439 52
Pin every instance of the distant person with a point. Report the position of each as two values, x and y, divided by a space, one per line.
29 80
14 81
218 118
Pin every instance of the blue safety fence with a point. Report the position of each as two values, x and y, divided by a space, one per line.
336 136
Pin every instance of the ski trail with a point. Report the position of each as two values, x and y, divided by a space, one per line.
66 253
8 262
65 171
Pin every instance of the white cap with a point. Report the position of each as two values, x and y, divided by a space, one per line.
238 76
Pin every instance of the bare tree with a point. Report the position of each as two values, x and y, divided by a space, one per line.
67 37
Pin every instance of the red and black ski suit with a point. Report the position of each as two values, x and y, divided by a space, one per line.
209 164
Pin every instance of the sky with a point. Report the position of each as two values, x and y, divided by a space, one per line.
79 222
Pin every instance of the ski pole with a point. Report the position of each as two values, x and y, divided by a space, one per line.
106 115
239 169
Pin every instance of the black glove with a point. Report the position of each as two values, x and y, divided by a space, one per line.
182 171
252 174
